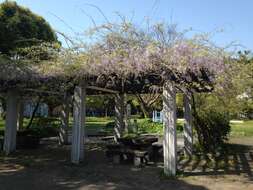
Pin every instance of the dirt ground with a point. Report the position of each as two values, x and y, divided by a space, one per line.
49 168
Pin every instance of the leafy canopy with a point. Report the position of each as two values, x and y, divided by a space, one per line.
20 28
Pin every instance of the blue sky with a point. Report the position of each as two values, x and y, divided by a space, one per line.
233 16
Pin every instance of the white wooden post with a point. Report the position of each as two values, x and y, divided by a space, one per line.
64 120
188 133
77 152
11 122
119 115
170 136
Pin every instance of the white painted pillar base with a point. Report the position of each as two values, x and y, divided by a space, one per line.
11 122
119 115
188 132
77 149
170 132
64 120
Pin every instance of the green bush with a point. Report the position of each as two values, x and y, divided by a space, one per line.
147 126
45 127
212 128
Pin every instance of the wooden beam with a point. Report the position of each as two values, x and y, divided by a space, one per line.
11 122
102 89
188 132
170 132
43 91
77 149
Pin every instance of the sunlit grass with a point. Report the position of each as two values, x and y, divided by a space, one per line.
242 128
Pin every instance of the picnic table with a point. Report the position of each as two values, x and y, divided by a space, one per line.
138 149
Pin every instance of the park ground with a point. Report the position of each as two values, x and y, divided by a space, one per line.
49 167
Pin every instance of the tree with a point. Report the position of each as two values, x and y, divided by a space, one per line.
20 28
103 104
24 36
147 102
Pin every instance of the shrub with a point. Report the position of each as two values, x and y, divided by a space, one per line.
43 127
147 126
212 128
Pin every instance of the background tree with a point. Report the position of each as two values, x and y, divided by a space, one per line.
102 105
232 98
233 94
20 28
148 102
24 36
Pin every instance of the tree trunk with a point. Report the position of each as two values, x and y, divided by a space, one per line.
33 114
145 110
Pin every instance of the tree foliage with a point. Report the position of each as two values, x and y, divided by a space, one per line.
20 28
122 54
213 128
232 98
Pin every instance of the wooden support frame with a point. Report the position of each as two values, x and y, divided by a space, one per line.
43 91
188 131
170 132
77 149
63 134
11 122
119 115
102 89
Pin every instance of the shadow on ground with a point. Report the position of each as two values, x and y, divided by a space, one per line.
238 160
49 168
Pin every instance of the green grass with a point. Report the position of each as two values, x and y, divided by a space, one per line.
26 121
91 122
97 123
146 126
242 129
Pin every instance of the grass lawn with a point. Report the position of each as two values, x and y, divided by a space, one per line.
238 129
241 128
91 122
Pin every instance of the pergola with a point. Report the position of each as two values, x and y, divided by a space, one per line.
124 61
14 89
